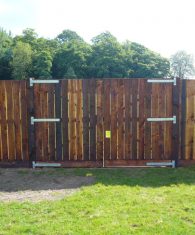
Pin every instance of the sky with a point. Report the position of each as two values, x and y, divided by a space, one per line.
164 26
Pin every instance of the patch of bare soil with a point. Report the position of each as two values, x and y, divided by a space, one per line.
40 184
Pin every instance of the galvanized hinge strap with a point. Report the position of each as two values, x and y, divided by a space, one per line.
160 164
33 81
163 81
173 119
33 120
45 164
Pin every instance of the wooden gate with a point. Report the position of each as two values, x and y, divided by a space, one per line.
104 122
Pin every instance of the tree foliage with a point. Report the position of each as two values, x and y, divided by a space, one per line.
42 64
21 61
68 55
106 59
182 64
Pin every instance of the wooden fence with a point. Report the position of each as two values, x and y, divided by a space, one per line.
102 122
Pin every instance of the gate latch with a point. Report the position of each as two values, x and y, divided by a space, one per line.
33 120
173 119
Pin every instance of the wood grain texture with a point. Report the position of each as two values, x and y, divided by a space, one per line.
99 113
114 119
89 108
86 119
107 118
65 124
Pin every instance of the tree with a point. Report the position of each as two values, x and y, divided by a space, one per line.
68 35
42 63
182 64
70 73
5 54
28 36
142 62
106 59
22 60
71 54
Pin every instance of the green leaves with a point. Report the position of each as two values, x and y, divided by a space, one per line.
22 59
71 54
42 63
68 55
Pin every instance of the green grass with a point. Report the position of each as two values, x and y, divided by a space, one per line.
122 201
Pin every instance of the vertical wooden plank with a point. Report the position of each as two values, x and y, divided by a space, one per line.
65 120
114 119
128 137
51 114
175 136
17 118
86 119
99 111
134 117
10 117
107 117
162 108
183 118
121 137
41 125
24 120
44 103
141 118
58 124
37 126
155 125
92 120
3 109
31 128
79 123
189 119
148 125
168 125
72 119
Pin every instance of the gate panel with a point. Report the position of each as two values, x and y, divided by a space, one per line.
89 108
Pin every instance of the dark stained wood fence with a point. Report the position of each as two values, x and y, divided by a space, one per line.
89 109
13 121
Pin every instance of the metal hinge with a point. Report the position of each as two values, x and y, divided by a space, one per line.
33 120
45 164
172 164
163 81
33 81
173 119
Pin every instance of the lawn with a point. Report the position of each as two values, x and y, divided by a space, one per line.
119 201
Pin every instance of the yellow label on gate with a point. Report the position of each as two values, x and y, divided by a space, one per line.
108 134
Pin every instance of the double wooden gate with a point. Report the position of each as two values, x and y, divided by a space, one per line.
105 122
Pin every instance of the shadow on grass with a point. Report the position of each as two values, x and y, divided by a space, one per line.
12 180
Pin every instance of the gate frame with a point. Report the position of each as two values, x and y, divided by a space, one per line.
31 112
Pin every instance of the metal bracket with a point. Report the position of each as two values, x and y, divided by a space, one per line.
45 164
33 120
163 81
173 119
33 81
172 164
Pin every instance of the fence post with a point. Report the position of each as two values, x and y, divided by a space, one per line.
31 128
176 126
